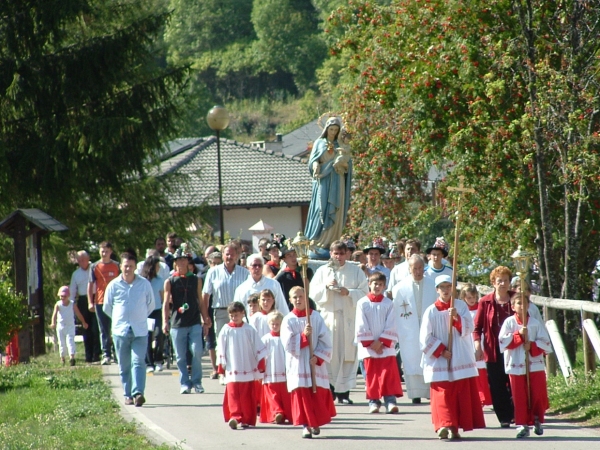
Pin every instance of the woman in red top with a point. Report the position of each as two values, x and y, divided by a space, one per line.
494 309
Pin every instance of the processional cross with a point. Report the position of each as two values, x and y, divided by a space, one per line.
461 189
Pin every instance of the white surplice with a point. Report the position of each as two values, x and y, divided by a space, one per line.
375 320
398 274
275 364
339 314
259 322
411 299
514 359
239 351
297 359
434 331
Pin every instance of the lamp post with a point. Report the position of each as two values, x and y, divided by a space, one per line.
522 261
301 245
218 119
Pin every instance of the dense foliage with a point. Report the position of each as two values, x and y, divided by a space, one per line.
504 93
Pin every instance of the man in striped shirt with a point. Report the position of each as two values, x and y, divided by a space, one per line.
221 282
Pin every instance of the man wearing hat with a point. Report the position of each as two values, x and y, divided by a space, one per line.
412 296
336 288
373 253
437 252
183 297
451 372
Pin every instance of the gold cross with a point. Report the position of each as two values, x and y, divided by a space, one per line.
406 313
461 187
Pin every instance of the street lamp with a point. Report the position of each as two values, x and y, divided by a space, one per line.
218 119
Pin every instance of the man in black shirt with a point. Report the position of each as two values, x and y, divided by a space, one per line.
183 293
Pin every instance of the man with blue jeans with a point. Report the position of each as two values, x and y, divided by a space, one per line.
129 300
183 294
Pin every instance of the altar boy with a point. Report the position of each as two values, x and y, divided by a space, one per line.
309 409
514 345
241 356
377 336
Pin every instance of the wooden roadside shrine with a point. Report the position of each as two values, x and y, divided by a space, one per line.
27 227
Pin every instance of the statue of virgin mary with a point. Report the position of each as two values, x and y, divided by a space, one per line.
331 169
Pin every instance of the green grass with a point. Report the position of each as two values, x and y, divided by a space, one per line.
578 399
46 406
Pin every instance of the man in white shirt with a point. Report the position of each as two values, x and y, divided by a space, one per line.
78 288
401 271
129 301
256 282
336 288
412 296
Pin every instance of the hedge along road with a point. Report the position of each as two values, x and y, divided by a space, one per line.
195 421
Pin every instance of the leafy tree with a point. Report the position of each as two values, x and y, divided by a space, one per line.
504 93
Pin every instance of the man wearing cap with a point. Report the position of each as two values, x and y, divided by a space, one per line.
401 271
129 301
374 252
183 294
437 252
256 282
451 371
412 296
78 294
336 288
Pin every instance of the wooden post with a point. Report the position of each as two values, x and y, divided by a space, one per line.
550 314
589 356
20 238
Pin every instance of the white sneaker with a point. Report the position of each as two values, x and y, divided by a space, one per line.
222 380
392 408
443 433
198 389
105 361
373 409
159 367
233 424
306 434
149 369
522 432
184 390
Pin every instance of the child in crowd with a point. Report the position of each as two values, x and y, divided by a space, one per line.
451 372
276 403
241 356
253 303
266 304
63 319
515 340
377 336
470 295
309 409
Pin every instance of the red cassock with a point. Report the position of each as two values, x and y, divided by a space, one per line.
275 400
483 385
312 409
456 404
240 402
539 397
383 377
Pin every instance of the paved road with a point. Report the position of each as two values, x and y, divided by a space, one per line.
195 421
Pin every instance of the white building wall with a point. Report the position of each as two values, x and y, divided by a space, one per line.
283 220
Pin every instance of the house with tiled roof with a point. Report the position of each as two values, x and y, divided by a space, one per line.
258 184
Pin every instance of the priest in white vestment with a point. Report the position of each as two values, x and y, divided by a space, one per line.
412 297
401 271
336 288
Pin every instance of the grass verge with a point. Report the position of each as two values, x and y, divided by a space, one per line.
46 406
578 400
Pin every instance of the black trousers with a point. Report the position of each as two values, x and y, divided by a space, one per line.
500 390
91 335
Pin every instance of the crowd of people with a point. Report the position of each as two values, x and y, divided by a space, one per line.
289 349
